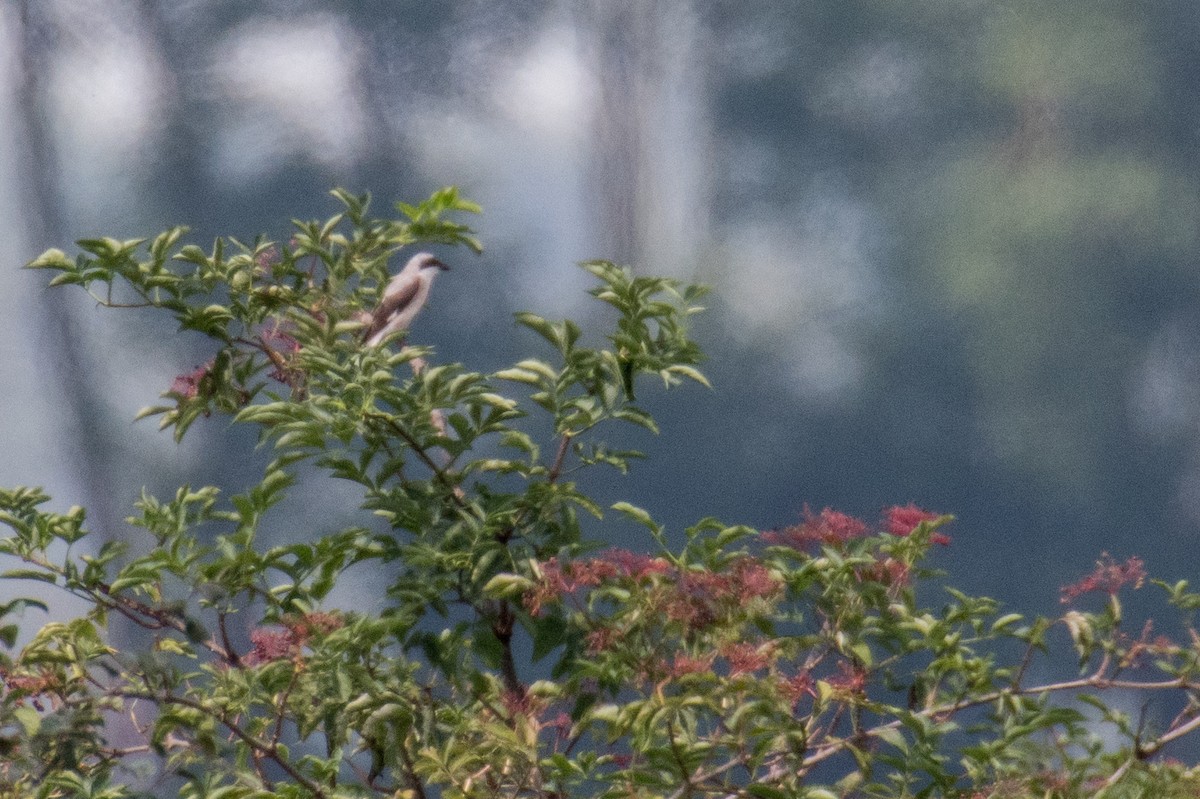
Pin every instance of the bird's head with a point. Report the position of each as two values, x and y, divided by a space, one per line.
422 261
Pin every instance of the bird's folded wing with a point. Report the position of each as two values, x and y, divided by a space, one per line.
390 305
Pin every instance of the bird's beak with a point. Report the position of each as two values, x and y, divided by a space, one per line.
442 266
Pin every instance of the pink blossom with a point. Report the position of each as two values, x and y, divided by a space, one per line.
267 258
602 639
635 564
187 386
753 580
700 597
850 678
797 686
902 520
829 527
746 658
562 579
684 664
1108 577
315 623
270 645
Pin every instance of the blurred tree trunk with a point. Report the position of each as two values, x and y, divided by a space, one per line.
80 419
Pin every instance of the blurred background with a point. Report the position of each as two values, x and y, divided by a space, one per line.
952 242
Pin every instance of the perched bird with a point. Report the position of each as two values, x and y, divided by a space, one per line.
403 298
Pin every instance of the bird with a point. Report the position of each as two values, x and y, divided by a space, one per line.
403 299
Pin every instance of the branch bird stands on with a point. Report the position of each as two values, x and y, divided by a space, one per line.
403 298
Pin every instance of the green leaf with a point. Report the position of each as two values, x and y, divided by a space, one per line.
689 372
894 737
519 376
21 603
165 240
862 652
638 515
498 401
30 720
638 417
192 254
67 278
1005 621
29 574
542 327
549 633
51 259
507 586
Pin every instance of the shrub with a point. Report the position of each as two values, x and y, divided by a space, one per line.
511 654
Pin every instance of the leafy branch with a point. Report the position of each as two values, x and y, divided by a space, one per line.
508 654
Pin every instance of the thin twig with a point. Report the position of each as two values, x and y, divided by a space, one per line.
410 772
231 654
556 468
151 618
416 447
712 773
270 751
281 705
107 303
1166 738
1026 659
1096 680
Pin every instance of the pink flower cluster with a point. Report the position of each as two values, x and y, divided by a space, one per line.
747 657
266 259
271 644
1108 577
902 521
33 687
834 528
829 527
797 686
281 347
699 597
187 386
684 665
563 579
